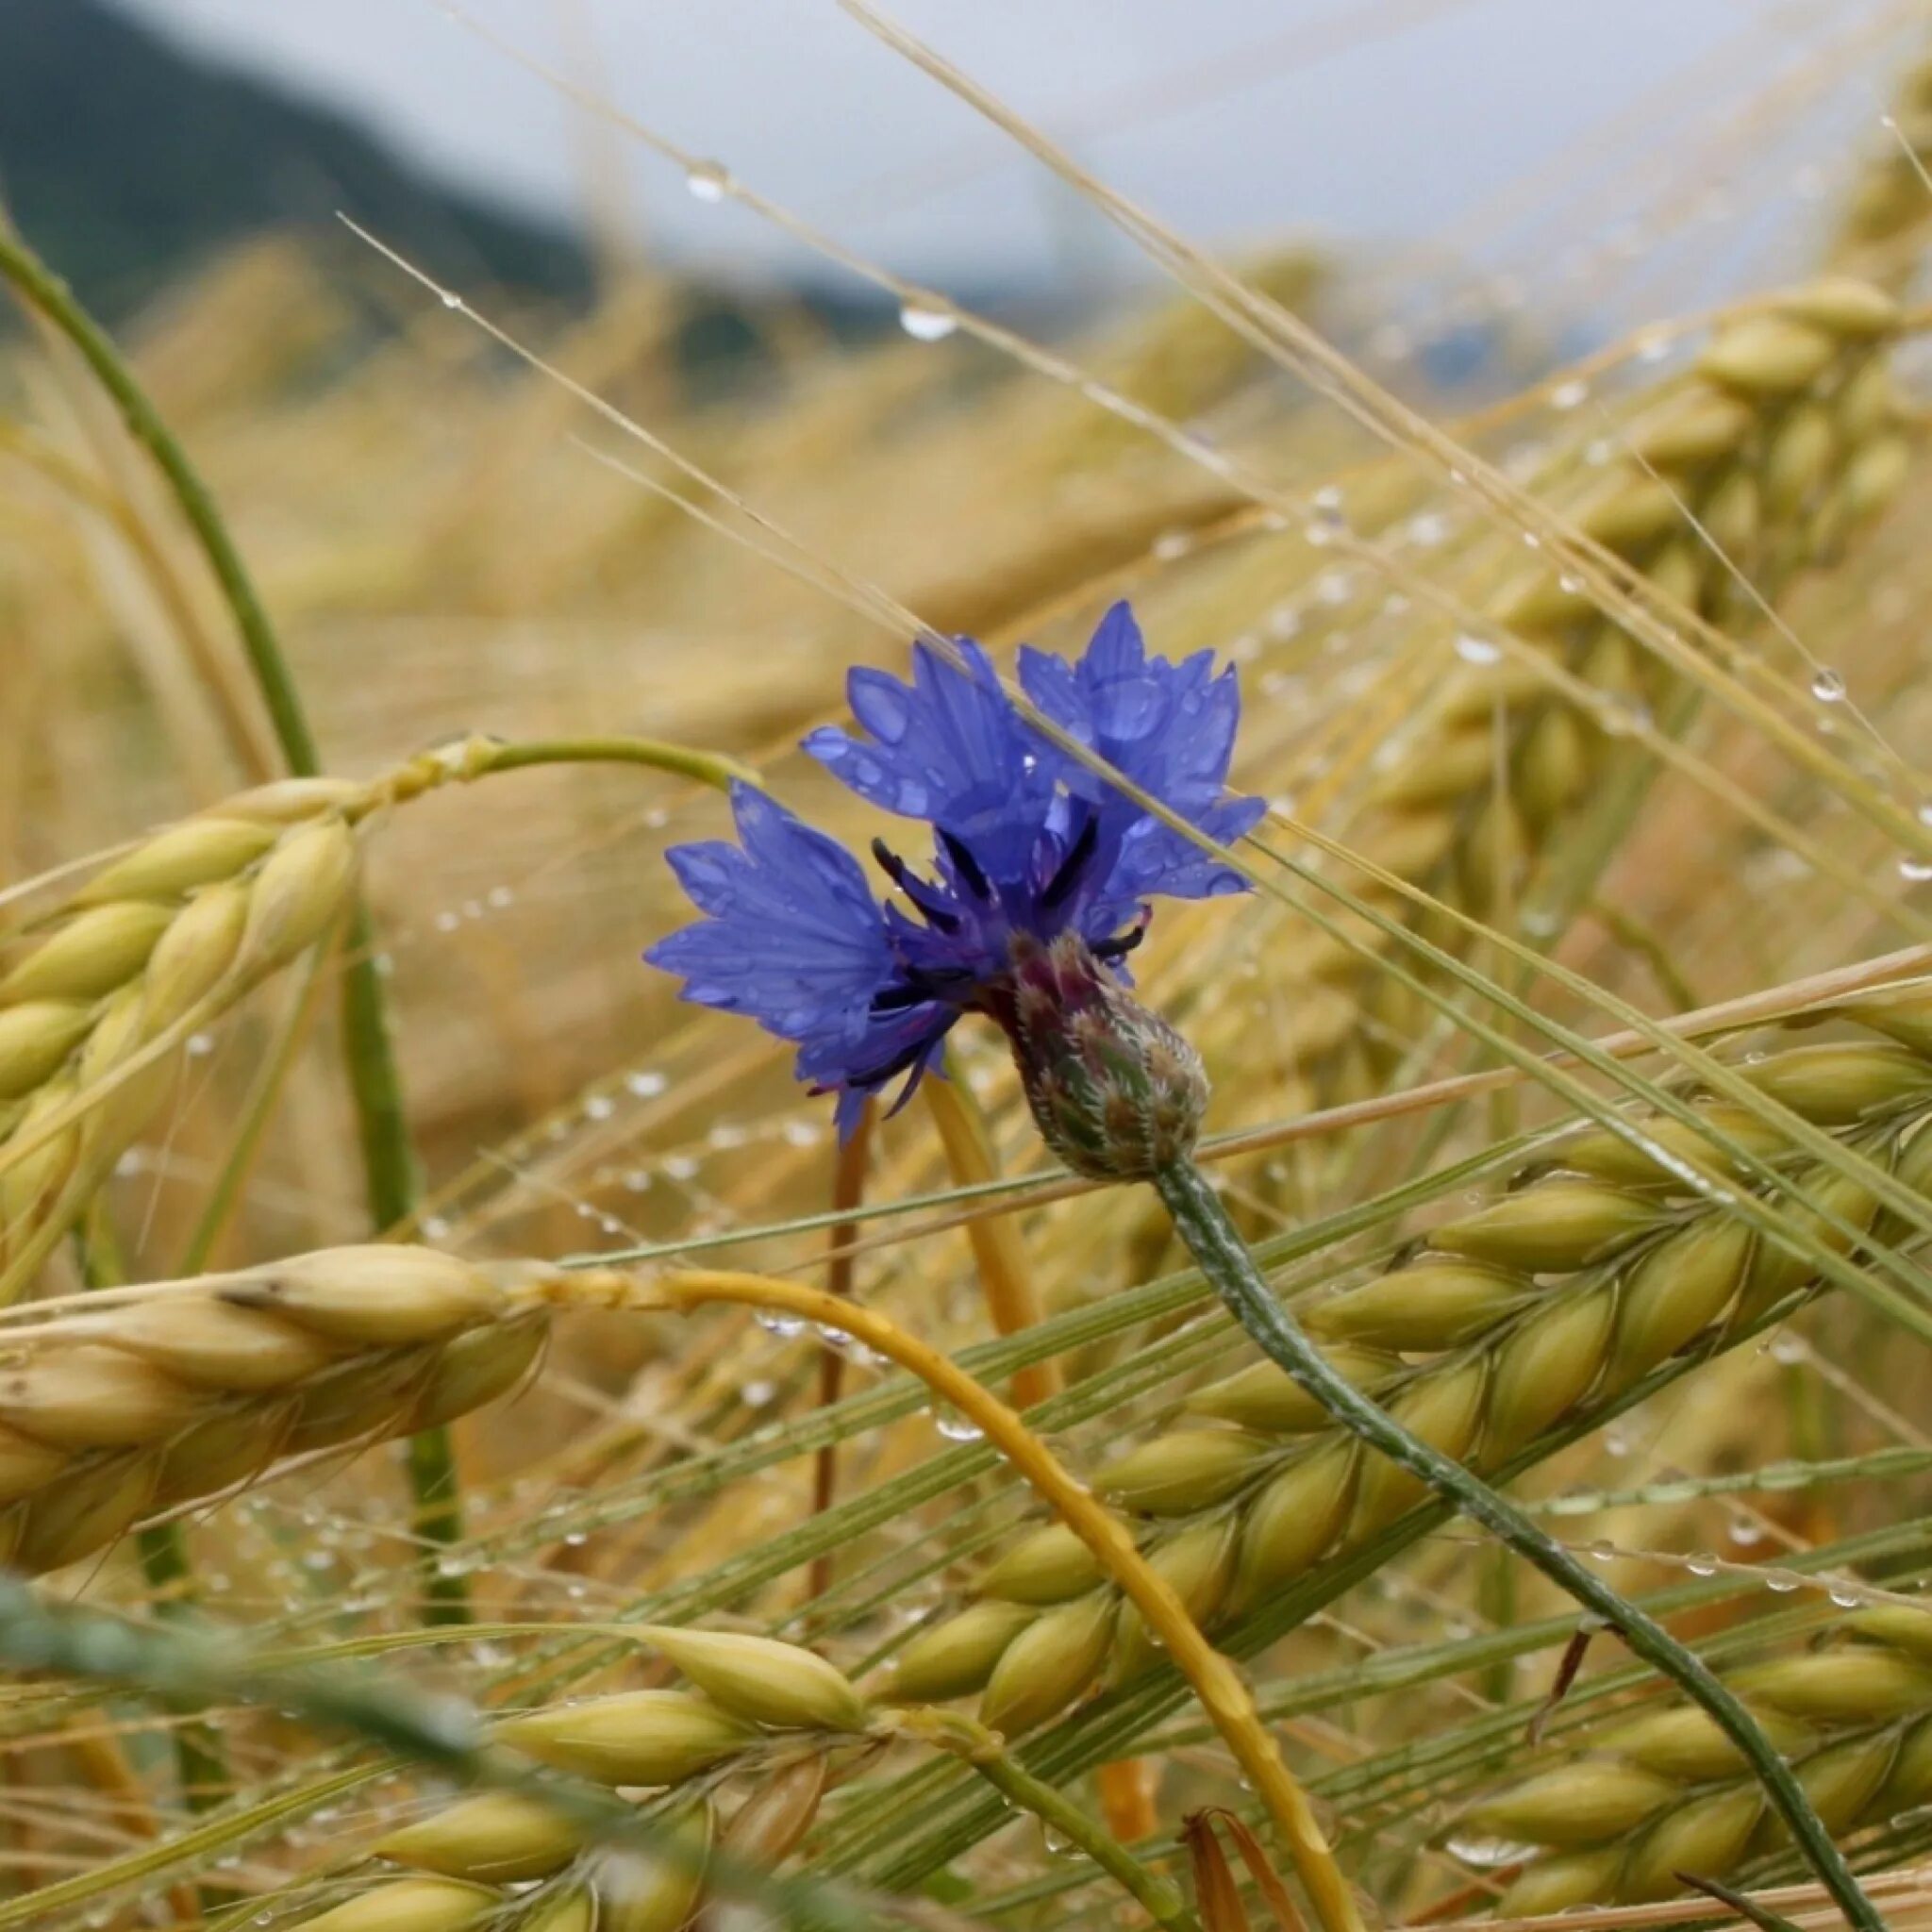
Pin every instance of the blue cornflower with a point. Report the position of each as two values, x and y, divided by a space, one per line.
1030 848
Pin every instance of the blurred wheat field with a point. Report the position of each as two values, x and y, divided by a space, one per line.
1589 699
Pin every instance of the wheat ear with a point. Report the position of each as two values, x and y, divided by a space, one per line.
1643 1799
1552 1300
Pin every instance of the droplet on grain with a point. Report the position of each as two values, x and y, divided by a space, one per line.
707 181
924 323
1828 687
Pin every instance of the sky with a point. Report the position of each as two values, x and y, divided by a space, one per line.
1383 121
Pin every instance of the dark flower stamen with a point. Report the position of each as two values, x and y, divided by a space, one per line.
1067 875
965 864
915 888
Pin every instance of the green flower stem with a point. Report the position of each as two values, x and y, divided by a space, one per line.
1216 1245
388 1162
968 1739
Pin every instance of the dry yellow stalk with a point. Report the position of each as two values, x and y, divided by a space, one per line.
1781 439
1560 1294
1643 1799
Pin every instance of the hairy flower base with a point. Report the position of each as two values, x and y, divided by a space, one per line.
1116 1093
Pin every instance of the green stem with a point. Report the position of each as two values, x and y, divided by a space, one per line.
388 1162
44 290
973 1744
1203 1223
708 767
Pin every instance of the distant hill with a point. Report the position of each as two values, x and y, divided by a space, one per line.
126 161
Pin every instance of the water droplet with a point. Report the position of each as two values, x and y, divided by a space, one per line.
600 1107
450 298
1567 395
1602 1550
785 1327
1701 1564
1845 1599
447 922
1915 869
1616 1442
645 1086
1653 345
1789 1348
1828 687
1334 587
499 897
1745 1533
1327 518
955 1428
756 1394
1428 529
1781 1584
707 181
1486 1853
1171 544
924 323
1474 650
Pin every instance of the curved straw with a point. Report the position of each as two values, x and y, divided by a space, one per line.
1222 1693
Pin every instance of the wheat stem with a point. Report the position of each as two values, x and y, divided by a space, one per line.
998 1254
1222 1693
200 1763
1216 1245
373 1079
966 1739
